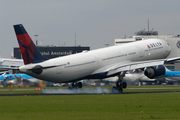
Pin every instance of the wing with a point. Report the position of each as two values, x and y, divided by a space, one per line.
133 65
12 63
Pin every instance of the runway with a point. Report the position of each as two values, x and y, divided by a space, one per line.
85 91
42 94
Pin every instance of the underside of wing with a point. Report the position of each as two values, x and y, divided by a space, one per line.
128 65
131 65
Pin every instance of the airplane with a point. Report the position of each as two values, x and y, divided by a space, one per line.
148 55
134 78
13 79
169 77
7 63
174 75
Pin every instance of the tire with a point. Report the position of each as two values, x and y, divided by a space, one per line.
120 90
79 84
118 84
114 90
124 85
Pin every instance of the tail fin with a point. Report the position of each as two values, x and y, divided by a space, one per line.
29 51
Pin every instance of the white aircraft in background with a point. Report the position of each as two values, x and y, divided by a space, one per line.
148 55
10 63
137 77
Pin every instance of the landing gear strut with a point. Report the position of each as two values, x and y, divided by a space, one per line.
119 84
75 86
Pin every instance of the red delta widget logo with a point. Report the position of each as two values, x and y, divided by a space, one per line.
153 45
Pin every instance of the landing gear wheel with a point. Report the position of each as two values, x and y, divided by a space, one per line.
124 85
74 85
79 84
118 84
114 90
120 90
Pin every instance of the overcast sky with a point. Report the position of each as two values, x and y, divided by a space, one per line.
95 22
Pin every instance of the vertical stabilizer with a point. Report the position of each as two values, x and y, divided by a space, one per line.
29 51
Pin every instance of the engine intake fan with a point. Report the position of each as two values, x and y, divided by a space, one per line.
153 72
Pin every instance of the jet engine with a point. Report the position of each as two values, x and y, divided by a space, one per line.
154 71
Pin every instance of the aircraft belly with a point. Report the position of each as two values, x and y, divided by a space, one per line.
76 73
66 74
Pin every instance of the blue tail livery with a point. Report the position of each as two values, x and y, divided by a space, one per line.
29 51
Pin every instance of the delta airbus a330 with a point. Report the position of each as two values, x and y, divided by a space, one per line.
96 64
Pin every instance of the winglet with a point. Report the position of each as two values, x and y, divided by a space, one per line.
29 51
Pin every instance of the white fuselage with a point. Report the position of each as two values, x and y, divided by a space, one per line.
91 63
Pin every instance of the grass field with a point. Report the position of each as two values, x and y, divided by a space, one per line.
164 106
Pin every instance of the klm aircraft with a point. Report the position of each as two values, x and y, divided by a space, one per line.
14 78
174 75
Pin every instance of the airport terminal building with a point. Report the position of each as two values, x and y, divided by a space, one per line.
54 51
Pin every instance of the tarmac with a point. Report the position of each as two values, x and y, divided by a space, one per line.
88 91
42 94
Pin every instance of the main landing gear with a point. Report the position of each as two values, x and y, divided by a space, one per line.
75 86
119 84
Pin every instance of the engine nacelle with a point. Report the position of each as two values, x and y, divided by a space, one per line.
37 69
153 72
